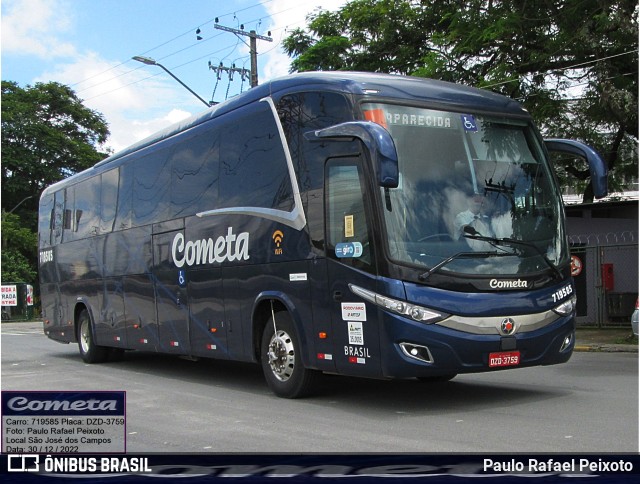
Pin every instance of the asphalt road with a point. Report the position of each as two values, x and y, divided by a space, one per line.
589 404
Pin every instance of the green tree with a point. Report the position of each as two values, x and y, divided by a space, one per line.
47 135
572 63
19 251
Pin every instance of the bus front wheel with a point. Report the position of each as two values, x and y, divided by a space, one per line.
281 361
89 351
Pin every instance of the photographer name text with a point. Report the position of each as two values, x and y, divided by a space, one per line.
581 465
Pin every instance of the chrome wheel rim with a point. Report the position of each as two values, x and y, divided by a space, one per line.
281 355
84 336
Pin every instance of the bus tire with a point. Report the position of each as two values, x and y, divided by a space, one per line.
281 361
89 351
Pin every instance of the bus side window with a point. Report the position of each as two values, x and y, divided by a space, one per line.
58 217
306 111
299 113
67 215
86 218
109 200
45 221
253 165
151 187
348 230
194 173
125 197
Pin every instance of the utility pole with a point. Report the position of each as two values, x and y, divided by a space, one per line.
253 49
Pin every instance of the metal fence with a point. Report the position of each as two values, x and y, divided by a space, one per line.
605 270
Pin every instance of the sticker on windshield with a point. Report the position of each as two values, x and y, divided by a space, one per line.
469 122
349 230
348 249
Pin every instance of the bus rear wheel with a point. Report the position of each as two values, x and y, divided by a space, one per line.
281 361
89 351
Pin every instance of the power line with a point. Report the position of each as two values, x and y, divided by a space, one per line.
567 68
627 74
190 31
151 76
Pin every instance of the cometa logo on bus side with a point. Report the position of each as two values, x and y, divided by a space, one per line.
207 251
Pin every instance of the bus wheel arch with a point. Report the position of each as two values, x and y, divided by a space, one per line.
261 317
84 327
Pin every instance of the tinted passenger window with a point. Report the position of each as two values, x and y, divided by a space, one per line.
109 200
194 186
45 221
253 166
151 188
125 197
307 111
312 110
58 216
300 113
86 218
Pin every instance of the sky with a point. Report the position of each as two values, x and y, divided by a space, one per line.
89 44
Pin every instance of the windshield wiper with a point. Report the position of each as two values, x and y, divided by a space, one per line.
459 255
471 233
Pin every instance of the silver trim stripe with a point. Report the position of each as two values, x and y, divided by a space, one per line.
491 325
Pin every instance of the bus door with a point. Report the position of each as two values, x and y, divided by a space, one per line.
112 318
350 259
208 323
170 287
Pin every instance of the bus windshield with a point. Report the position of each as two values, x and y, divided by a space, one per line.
475 194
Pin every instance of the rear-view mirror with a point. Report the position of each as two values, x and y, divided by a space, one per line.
597 166
377 140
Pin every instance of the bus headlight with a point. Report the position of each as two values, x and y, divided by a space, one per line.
567 307
417 313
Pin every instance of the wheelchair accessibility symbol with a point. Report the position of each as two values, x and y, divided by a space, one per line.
469 122
182 278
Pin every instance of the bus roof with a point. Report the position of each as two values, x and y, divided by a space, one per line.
440 93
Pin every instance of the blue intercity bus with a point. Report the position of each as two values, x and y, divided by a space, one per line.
348 223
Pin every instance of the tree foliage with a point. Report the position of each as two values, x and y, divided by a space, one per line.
572 63
47 135
19 251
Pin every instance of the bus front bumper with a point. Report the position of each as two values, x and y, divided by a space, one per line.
431 350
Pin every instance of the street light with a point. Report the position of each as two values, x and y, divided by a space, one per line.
151 62
21 202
